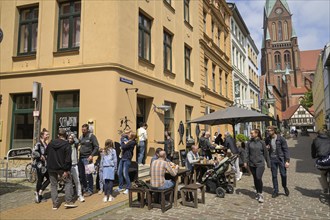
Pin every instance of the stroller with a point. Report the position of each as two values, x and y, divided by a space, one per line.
216 180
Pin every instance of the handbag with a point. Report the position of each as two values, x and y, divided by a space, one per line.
89 168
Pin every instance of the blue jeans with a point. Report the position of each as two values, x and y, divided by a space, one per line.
123 167
168 184
85 179
276 163
142 148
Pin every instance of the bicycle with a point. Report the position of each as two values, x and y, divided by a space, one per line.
31 172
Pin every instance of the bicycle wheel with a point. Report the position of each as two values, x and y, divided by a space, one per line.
30 173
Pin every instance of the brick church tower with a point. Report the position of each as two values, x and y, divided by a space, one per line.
280 55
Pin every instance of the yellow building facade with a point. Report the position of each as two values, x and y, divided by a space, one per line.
215 55
318 95
108 63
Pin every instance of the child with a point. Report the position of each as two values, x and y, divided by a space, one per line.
108 165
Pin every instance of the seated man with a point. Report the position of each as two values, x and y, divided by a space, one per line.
157 172
156 156
192 157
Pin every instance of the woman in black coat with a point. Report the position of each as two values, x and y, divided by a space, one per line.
256 156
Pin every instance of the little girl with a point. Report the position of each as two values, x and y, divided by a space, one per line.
108 165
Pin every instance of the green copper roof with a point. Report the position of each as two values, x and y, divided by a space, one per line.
293 34
270 5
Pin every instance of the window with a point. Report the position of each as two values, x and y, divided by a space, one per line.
22 121
204 21
28 31
186 10
66 112
213 77
205 72
220 78
188 118
187 52
226 82
219 35
69 25
167 51
274 31
286 31
287 59
212 29
280 36
277 58
144 37
278 82
169 118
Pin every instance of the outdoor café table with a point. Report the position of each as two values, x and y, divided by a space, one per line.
200 165
181 173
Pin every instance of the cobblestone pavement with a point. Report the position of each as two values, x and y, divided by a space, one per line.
305 201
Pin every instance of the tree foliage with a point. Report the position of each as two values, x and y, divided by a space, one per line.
307 101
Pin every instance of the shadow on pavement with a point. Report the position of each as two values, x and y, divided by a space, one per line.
314 193
10 187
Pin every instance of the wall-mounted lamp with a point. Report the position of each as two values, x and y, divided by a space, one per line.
136 89
162 107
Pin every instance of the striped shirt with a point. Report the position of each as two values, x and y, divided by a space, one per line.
158 169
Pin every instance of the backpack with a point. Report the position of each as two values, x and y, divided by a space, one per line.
140 184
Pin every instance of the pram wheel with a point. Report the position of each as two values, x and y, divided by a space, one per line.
220 192
230 189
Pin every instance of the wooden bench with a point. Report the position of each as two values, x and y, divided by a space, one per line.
139 203
156 198
192 189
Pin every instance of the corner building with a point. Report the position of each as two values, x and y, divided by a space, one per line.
106 62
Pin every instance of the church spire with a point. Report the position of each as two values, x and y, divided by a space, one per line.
270 5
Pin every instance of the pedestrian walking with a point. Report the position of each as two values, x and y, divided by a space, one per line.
89 147
39 158
73 141
321 149
205 145
279 159
256 156
108 165
59 164
142 140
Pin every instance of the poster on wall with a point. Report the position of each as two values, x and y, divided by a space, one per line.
68 121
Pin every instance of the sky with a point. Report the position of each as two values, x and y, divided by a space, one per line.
311 20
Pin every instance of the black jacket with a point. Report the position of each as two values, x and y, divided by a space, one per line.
230 144
321 146
127 150
256 153
59 155
282 150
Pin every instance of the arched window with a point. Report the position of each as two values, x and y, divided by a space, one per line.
280 36
287 59
277 59
274 31
286 31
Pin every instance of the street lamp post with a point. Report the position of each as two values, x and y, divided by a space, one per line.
36 97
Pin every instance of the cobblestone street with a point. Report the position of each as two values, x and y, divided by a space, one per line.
305 201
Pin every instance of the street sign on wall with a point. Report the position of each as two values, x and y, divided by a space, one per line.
248 101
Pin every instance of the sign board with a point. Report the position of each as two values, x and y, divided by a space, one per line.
19 152
237 89
124 80
248 101
270 101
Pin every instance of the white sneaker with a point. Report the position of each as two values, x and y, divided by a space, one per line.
105 199
81 199
240 175
110 198
126 191
100 192
261 198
